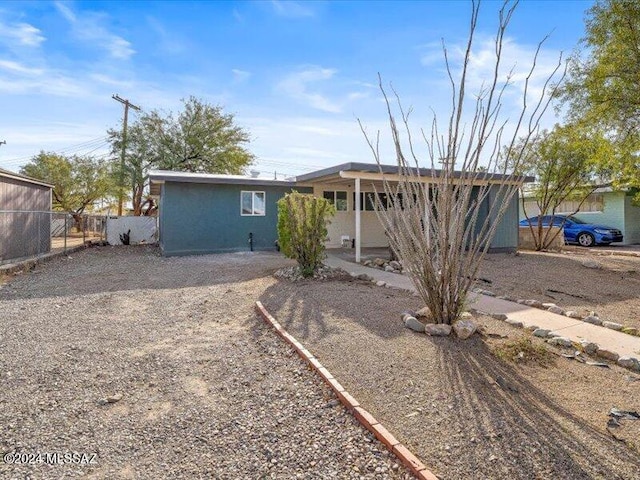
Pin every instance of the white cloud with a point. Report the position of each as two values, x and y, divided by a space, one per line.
292 9
17 68
90 27
23 34
296 85
240 75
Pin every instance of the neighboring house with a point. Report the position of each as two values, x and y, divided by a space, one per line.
25 222
205 213
605 206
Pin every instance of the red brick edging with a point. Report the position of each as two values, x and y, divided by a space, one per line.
367 420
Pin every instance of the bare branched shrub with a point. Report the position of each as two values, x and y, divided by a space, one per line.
441 221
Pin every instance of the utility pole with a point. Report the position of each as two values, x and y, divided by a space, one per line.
127 104
4 142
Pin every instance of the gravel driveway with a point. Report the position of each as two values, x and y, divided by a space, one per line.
161 369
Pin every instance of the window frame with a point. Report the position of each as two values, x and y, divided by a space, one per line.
334 199
253 203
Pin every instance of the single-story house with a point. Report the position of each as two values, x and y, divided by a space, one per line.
207 213
25 218
605 206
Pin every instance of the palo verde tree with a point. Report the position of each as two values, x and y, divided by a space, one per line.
602 86
302 229
441 222
566 163
201 138
78 181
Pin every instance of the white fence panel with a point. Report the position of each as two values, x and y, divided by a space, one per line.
142 229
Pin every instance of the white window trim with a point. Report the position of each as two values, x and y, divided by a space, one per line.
253 208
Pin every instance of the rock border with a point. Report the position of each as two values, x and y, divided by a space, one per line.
592 318
32 262
367 420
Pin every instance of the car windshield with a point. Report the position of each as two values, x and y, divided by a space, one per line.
576 220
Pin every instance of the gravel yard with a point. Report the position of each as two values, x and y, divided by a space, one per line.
161 368
612 291
465 413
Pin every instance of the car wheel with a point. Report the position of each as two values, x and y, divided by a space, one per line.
585 239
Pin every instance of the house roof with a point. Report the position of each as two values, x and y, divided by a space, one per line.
375 169
23 178
157 177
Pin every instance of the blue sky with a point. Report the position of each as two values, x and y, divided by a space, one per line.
297 75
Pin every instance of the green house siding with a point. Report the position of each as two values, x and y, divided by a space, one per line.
204 218
631 221
506 236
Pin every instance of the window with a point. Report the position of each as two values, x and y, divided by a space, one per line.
593 203
337 199
252 203
368 202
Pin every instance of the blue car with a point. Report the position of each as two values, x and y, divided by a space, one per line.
577 231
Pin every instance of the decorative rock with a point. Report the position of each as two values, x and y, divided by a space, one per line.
395 265
591 264
609 355
549 305
521 301
464 328
388 268
380 283
541 332
533 303
407 313
631 363
413 324
488 293
588 347
631 331
612 325
531 328
466 316
557 310
379 262
573 314
553 335
592 319
437 329
367 263
424 312
514 323
499 316
365 277
593 314
560 342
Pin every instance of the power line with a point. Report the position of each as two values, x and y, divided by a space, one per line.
77 148
127 104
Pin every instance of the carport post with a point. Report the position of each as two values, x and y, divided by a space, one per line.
357 220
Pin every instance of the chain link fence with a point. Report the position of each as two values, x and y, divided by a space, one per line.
25 234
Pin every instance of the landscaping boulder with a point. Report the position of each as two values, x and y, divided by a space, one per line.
541 332
549 305
499 316
533 303
573 314
413 324
407 313
560 342
437 329
464 328
395 265
631 363
591 264
612 325
608 354
424 313
379 262
588 347
380 283
557 310
466 316
593 320
631 331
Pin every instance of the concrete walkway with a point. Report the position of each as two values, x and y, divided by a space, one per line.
576 330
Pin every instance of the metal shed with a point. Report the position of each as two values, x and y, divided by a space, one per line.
25 216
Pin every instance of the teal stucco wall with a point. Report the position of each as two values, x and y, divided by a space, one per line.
506 236
205 218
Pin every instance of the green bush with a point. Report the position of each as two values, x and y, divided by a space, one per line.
302 229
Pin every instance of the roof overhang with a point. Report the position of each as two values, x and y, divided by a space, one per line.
23 178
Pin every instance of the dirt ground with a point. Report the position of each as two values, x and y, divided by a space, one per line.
612 291
464 412
161 368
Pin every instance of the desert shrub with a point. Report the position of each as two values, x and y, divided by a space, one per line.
302 229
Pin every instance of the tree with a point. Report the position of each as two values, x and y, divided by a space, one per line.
302 229
602 87
566 162
442 228
201 138
78 182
